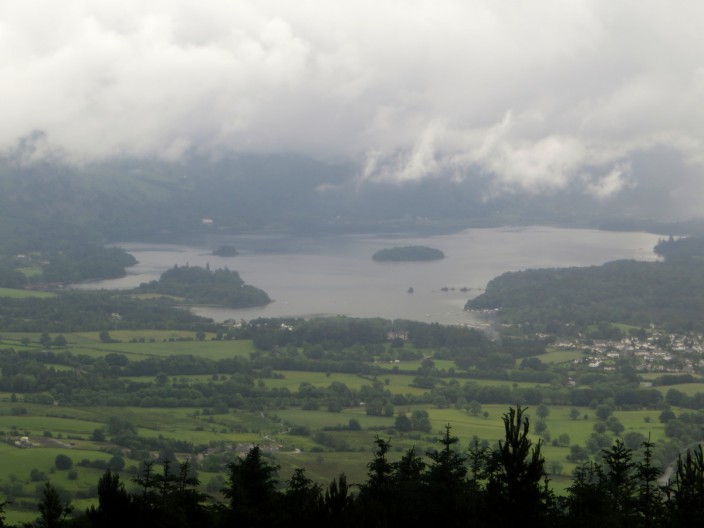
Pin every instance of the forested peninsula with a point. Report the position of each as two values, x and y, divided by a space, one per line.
408 254
668 293
62 264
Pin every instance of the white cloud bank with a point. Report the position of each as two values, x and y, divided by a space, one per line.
537 94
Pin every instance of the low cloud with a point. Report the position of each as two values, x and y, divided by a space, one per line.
536 94
610 184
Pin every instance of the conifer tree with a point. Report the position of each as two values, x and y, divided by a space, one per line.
650 502
686 493
376 498
337 503
620 483
516 487
587 500
302 501
408 483
115 506
251 490
446 486
52 510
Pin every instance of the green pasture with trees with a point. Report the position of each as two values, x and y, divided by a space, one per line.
310 393
499 484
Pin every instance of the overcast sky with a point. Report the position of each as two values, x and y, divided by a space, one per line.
535 93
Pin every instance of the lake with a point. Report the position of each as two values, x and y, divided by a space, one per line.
336 274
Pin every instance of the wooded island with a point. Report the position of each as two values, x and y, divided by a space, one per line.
408 254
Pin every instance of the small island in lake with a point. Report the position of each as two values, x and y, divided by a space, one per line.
408 254
225 251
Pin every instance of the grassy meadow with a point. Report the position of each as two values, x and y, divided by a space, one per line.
12 293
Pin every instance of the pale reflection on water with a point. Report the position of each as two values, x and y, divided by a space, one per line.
336 275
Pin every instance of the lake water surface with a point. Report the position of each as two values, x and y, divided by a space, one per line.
336 275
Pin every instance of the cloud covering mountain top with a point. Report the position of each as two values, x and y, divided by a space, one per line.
538 95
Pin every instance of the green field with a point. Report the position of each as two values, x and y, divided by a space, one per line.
292 380
556 356
17 463
440 364
155 296
156 343
397 384
650 375
690 389
24 294
209 349
656 375
30 272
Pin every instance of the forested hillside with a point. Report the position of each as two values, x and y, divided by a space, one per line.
635 293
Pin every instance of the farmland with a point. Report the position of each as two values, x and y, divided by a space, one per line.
291 413
312 394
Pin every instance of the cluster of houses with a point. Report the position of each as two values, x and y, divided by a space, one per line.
659 352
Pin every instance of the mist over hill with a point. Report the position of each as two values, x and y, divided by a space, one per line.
45 203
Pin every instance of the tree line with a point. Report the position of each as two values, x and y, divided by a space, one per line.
84 311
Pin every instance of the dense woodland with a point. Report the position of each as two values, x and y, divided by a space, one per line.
685 248
75 311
